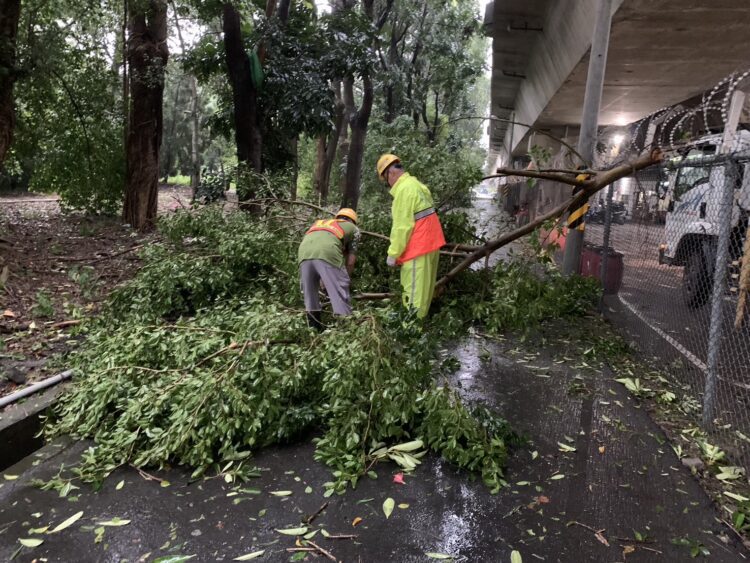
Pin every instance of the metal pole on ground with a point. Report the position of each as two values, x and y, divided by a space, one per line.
590 120
717 296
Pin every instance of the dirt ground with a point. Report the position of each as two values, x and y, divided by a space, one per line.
55 269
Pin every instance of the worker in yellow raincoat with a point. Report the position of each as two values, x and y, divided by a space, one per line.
416 234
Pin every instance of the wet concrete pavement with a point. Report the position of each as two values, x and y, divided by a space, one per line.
621 479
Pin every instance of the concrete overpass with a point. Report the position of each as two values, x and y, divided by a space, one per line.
661 52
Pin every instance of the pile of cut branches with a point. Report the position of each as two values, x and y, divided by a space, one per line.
205 357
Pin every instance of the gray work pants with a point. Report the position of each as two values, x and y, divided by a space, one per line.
336 281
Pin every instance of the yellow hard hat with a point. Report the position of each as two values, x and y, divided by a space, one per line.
348 213
385 161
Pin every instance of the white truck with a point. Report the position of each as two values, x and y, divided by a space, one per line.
693 193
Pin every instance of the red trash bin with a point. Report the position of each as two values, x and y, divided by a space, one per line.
591 264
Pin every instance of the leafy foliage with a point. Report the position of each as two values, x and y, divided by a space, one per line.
69 131
519 299
200 361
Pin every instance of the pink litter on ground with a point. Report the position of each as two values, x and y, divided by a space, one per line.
399 478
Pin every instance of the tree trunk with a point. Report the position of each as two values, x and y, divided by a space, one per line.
147 59
195 165
327 145
357 146
10 11
195 157
168 150
245 97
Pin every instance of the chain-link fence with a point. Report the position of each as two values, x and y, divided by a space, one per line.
678 274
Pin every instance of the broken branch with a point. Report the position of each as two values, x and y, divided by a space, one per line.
590 187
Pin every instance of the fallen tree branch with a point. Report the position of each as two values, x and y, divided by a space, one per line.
313 516
553 176
590 187
321 550
453 246
372 296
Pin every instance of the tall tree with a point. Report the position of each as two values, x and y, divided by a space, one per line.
9 13
359 118
147 59
195 165
245 96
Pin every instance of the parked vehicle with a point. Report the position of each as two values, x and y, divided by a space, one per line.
693 192
597 214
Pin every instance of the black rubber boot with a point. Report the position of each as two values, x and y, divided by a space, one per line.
313 320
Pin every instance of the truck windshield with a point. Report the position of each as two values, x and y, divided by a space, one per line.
689 177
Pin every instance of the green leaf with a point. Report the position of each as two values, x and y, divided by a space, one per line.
738 498
434 555
308 489
388 505
173 559
565 447
31 542
69 522
120 485
114 522
8 477
281 493
293 531
408 446
249 556
556 477
515 557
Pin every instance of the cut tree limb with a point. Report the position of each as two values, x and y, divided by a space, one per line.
590 187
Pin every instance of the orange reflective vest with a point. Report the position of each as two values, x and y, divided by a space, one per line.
328 225
426 237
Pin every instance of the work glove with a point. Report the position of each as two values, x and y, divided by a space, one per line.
391 261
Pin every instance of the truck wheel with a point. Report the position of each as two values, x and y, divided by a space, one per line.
697 281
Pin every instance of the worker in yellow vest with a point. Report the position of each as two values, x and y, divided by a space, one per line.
416 234
327 254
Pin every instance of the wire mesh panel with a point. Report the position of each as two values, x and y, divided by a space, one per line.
681 251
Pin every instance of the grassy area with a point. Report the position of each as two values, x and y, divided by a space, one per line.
179 179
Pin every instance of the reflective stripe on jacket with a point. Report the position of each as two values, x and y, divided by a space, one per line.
329 225
416 228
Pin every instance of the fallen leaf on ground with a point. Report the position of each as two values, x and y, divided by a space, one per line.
601 538
602 449
9 314
31 542
399 478
515 557
70 521
388 505
627 549
434 555
293 531
120 485
10 477
114 522
173 559
281 493
558 476
356 521
249 556
403 505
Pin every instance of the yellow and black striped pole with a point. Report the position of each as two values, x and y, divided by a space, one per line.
577 217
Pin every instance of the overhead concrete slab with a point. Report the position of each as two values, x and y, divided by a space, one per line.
661 52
